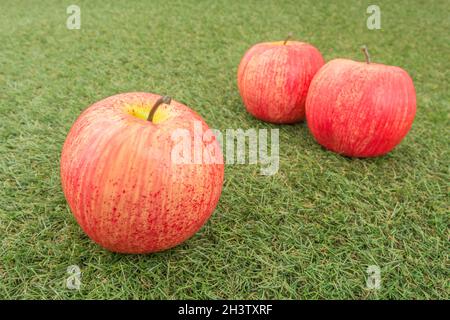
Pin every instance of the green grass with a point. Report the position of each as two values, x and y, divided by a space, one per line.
310 231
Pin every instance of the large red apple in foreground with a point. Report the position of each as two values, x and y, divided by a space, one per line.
120 178
360 109
274 77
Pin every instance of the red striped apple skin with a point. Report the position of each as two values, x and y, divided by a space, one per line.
360 109
273 79
119 180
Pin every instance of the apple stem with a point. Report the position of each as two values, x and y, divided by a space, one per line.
366 53
158 102
289 36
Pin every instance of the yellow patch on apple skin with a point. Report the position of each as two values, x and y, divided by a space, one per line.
141 112
284 43
161 115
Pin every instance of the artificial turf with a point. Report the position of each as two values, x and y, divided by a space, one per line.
309 231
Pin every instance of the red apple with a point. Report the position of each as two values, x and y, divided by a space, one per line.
360 109
274 77
121 181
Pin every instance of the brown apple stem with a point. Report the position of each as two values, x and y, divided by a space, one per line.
366 53
158 102
288 38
